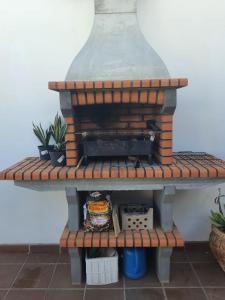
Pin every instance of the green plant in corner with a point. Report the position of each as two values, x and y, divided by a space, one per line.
58 131
218 220
42 135
217 235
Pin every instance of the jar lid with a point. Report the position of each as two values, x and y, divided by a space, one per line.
96 196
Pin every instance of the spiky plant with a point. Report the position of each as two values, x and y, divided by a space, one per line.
218 218
58 130
43 135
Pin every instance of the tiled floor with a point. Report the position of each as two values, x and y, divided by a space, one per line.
44 276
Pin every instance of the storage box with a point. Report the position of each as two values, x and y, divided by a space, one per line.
102 270
136 216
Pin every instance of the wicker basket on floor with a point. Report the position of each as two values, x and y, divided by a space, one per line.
217 245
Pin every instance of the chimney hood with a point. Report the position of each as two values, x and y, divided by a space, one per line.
116 48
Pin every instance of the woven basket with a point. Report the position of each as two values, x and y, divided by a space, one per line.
217 245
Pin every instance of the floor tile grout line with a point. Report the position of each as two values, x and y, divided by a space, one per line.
124 289
50 281
104 288
17 275
199 281
84 292
164 291
50 289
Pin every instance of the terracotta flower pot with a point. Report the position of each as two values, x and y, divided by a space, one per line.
217 245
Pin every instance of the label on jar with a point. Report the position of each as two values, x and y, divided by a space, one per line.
96 207
99 220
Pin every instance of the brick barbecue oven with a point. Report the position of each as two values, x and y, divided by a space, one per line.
118 98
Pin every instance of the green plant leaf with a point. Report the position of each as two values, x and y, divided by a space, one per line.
43 136
58 130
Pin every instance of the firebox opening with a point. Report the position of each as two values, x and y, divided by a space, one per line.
118 131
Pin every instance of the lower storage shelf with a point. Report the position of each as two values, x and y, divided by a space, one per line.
128 238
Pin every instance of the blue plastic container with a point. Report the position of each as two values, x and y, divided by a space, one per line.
134 262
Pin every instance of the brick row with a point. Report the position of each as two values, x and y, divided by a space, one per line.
117 84
128 238
72 143
83 98
182 167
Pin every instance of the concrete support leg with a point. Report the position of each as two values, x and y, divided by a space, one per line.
163 264
76 264
73 200
163 204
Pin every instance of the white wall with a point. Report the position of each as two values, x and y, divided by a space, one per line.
39 39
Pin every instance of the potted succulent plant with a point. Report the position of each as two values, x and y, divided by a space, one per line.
58 130
44 137
217 236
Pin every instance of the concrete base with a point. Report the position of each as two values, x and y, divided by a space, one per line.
162 263
72 197
76 265
163 205
164 190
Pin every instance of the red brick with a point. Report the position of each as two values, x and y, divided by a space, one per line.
166 135
160 98
89 84
71 146
155 83
126 83
125 97
70 85
61 85
71 154
108 97
146 83
107 84
128 118
79 85
144 97
90 98
165 143
136 83
174 82
74 99
117 97
165 151
81 99
165 126
137 125
183 82
71 162
71 174
98 84
99 98
164 82
129 238
134 97
70 137
152 97
69 120
70 129
164 118
117 84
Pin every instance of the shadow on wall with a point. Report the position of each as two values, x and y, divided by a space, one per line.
192 210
